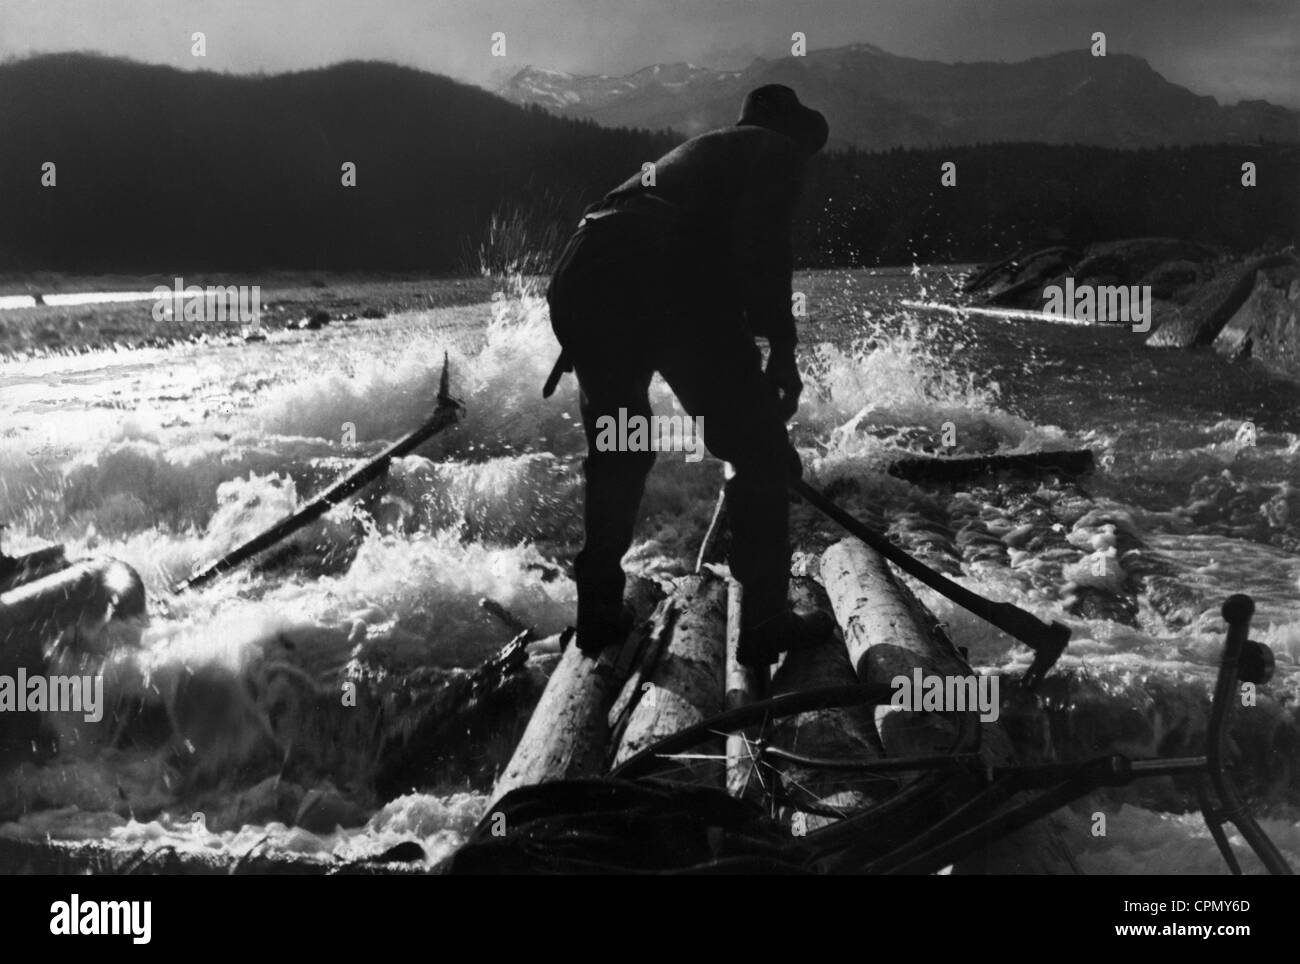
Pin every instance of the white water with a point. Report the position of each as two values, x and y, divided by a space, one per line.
166 458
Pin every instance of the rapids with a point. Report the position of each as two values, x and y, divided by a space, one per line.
165 458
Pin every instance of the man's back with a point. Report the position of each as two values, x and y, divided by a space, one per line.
728 197
710 179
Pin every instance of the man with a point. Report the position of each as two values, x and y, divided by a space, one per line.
677 273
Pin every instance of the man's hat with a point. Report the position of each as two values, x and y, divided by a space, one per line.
777 108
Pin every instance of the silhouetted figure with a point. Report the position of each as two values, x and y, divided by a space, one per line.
678 277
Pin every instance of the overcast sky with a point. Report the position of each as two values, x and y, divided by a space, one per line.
1232 49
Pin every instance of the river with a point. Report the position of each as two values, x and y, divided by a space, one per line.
166 457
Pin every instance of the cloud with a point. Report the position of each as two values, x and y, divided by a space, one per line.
1228 48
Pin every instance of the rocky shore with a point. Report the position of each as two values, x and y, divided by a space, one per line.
1243 306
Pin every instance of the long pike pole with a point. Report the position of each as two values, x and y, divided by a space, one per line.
445 415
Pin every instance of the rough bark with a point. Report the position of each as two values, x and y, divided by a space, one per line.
686 685
885 640
888 633
837 733
883 636
568 733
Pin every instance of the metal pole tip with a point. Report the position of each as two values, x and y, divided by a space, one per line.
1238 608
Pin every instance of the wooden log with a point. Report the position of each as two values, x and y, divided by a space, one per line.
982 276
646 659
1200 320
888 633
1047 641
552 645
686 685
836 733
568 732
882 633
17 570
88 594
1265 328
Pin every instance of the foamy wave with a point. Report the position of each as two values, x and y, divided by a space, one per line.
891 389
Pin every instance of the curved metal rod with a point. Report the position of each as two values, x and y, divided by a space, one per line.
825 697
883 765
1237 612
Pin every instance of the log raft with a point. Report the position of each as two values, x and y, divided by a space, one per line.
681 669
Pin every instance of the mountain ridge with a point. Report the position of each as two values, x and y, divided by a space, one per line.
876 100
167 170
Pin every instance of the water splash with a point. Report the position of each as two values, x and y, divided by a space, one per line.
167 458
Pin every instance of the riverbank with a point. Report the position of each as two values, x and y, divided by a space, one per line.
287 300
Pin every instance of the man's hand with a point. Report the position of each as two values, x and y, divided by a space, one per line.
783 374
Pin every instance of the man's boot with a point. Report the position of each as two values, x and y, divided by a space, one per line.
762 644
602 623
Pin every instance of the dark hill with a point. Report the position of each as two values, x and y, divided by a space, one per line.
167 171
164 169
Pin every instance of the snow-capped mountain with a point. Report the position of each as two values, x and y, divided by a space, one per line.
876 100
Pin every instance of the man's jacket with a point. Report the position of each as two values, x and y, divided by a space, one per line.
729 195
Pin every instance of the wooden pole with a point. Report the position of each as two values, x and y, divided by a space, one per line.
446 414
743 686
